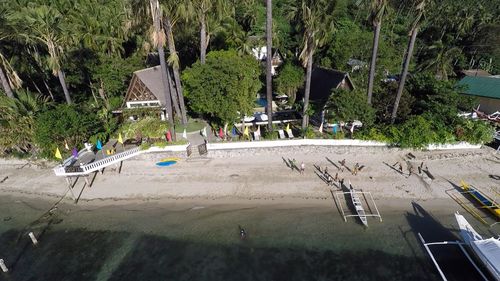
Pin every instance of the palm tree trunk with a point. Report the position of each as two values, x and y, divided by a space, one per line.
173 93
60 74
166 86
307 90
371 78
175 69
404 73
269 58
5 84
203 39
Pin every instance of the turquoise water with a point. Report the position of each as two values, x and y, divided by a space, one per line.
188 241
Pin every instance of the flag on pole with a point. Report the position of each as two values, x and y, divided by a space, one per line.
99 145
120 139
288 127
184 134
245 132
258 130
169 136
204 132
58 154
334 129
74 152
66 145
221 133
321 128
233 131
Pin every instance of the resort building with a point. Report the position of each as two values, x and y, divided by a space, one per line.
261 55
146 90
486 88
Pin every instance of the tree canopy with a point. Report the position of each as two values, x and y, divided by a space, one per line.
225 87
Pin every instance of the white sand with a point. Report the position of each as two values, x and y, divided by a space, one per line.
262 174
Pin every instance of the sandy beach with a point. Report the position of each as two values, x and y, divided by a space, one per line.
154 223
263 174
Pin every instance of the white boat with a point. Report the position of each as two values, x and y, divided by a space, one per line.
357 205
487 250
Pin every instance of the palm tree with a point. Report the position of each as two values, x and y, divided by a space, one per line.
203 11
6 31
170 18
441 60
42 24
17 120
269 58
409 53
159 41
377 11
317 23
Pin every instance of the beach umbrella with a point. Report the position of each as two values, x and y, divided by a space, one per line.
74 152
58 154
99 145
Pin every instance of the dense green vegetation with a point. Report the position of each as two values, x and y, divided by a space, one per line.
83 53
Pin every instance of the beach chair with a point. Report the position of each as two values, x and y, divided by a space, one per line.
289 133
256 135
281 134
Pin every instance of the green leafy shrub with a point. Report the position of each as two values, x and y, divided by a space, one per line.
65 123
476 132
148 127
416 132
347 106
374 134
290 79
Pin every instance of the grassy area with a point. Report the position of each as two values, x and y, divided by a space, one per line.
193 125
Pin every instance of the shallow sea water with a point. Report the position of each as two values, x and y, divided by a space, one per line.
189 241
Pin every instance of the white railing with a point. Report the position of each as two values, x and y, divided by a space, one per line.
97 165
60 170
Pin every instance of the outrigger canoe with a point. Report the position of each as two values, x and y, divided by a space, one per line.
482 199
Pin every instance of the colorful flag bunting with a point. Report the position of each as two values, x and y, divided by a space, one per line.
74 152
58 154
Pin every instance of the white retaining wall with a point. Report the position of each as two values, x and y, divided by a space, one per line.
326 142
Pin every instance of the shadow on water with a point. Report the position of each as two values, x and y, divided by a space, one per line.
85 255
450 258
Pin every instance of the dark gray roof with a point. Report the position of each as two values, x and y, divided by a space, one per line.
323 81
151 77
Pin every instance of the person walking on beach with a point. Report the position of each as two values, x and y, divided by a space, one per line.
325 171
410 170
355 170
336 177
302 167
